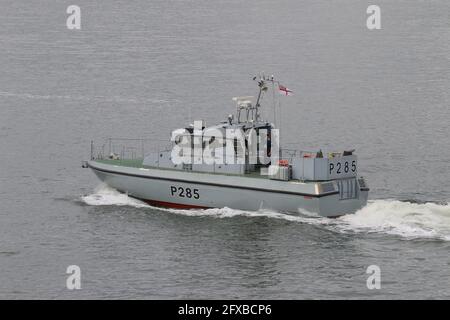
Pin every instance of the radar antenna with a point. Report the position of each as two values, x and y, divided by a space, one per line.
262 81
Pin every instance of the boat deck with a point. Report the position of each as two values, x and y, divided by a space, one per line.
134 163
137 163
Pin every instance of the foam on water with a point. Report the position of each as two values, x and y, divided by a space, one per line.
405 219
106 196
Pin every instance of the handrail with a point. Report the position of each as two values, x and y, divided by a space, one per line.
127 148
137 148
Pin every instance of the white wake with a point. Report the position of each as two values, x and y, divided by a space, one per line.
405 219
106 196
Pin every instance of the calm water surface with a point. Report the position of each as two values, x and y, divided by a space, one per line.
141 68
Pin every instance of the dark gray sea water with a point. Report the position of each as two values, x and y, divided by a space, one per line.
141 68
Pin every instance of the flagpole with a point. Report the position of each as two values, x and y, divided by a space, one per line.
279 110
279 119
273 102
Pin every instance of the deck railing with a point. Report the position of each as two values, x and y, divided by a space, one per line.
131 148
127 148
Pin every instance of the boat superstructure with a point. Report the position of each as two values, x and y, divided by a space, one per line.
237 163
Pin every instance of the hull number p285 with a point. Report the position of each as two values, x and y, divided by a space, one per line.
342 168
184 192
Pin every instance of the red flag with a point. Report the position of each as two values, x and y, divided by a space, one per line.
284 91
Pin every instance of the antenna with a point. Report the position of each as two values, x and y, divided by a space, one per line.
262 81
262 84
262 88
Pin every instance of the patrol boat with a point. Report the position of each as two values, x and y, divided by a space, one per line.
237 163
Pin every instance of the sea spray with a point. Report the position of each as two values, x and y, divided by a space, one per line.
408 220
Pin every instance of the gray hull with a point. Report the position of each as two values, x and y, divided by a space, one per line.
182 189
